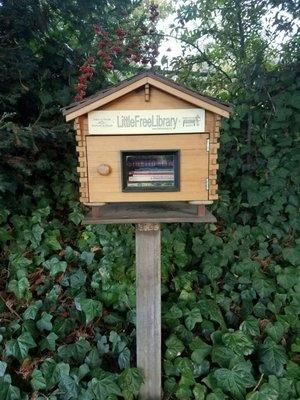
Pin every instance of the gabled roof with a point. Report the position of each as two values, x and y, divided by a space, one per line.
105 96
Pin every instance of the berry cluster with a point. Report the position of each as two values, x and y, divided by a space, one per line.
86 72
121 45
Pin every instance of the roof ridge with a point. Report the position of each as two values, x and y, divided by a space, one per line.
135 78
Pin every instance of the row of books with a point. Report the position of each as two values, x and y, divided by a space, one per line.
151 178
151 172
145 163
148 175
150 184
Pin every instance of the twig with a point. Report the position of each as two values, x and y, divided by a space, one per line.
195 46
9 307
259 382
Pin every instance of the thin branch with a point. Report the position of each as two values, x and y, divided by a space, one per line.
195 46
259 382
9 307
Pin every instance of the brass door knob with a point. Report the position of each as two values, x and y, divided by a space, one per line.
104 169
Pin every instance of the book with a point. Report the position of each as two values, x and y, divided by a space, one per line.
145 178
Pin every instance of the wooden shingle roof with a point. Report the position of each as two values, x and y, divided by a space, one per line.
105 96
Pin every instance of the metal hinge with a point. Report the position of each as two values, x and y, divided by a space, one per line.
207 184
207 144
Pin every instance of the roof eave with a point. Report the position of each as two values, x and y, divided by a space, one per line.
110 94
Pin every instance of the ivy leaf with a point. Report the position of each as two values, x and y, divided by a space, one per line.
273 357
3 366
80 349
263 286
52 242
222 355
91 308
174 347
19 347
20 287
124 358
199 392
104 387
292 255
44 324
183 392
54 265
235 380
238 342
131 380
250 326
8 392
193 317
68 387
49 342
76 217
202 351
38 382
52 372
276 330
32 310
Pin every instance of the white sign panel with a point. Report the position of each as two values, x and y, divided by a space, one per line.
186 120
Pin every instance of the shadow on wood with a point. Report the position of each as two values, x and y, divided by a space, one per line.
130 213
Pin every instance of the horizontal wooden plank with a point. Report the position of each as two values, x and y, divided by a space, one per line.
147 142
168 212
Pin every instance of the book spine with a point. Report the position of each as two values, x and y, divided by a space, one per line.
146 178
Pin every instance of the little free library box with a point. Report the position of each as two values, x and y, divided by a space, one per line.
147 139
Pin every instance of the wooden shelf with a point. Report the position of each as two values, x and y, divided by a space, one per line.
131 213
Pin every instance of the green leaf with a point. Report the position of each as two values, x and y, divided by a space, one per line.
52 242
104 387
19 347
250 326
292 254
3 366
38 382
79 349
52 372
68 387
273 357
193 317
49 342
235 380
202 351
91 308
238 342
222 355
199 392
32 310
20 287
276 330
124 358
263 286
174 347
44 324
131 380
183 392
54 265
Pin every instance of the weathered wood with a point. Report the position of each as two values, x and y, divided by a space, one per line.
201 210
96 212
148 308
130 213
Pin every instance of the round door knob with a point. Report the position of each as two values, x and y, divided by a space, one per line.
104 169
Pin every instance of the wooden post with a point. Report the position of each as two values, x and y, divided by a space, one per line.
148 301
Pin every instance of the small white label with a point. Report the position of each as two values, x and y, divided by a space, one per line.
187 120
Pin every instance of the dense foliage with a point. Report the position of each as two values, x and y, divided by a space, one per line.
67 295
